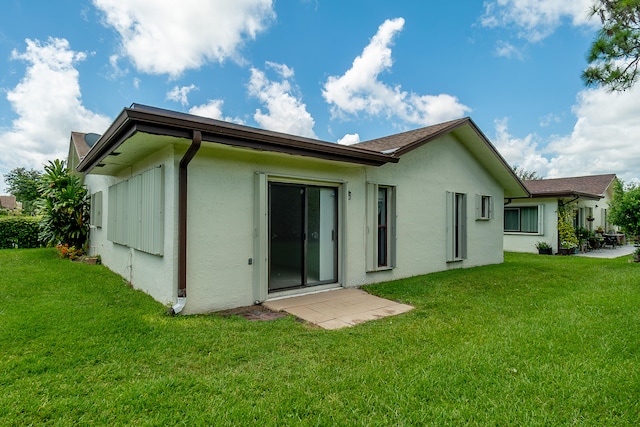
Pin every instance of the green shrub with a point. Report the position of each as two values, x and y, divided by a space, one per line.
64 207
19 232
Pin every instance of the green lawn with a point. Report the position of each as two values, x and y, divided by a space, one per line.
539 340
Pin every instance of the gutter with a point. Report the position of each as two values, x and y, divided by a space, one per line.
182 222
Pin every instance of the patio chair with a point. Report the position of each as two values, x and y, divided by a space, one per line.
594 243
610 241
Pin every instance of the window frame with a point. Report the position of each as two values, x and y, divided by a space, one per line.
374 227
539 222
456 207
95 211
484 207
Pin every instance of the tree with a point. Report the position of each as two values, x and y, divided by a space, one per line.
615 53
64 207
624 209
23 184
524 174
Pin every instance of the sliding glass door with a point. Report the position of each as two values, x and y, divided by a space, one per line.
303 236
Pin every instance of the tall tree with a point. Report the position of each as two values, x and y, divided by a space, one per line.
23 184
615 53
64 207
624 208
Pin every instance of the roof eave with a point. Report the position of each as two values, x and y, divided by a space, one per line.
162 122
516 191
558 194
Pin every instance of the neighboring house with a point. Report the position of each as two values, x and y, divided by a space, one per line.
79 146
528 221
9 203
206 215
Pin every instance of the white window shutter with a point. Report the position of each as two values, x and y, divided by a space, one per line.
371 227
540 219
450 200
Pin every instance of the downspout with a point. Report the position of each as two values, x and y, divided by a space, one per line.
182 222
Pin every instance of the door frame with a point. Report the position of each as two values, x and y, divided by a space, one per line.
301 193
260 260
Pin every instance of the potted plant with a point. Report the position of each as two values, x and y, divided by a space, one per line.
583 236
544 248
590 218
568 247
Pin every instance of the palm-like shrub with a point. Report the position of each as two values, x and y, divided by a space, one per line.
64 207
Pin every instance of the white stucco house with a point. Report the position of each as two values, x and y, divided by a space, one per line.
206 215
528 221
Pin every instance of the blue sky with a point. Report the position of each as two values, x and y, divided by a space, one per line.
338 71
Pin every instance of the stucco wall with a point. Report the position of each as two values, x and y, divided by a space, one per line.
423 177
155 275
221 219
222 208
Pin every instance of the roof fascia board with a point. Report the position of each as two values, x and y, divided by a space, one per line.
489 145
114 136
154 121
230 134
554 194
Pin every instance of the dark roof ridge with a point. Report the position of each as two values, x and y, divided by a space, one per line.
400 143
572 177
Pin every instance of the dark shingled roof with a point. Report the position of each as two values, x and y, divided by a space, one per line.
81 146
594 186
400 143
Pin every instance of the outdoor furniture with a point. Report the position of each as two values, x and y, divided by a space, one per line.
595 243
610 240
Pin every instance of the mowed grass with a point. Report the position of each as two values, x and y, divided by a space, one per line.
538 340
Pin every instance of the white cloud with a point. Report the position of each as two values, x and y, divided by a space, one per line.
116 72
163 37
604 139
349 139
508 50
285 110
549 119
181 94
213 110
360 90
535 19
523 152
49 106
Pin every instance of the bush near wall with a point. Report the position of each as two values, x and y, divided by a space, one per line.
19 232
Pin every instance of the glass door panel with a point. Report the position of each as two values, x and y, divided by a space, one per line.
286 229
322 234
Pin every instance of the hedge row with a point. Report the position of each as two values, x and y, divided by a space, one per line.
19 232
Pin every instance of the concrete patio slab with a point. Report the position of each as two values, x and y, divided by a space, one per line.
616 252
338 308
